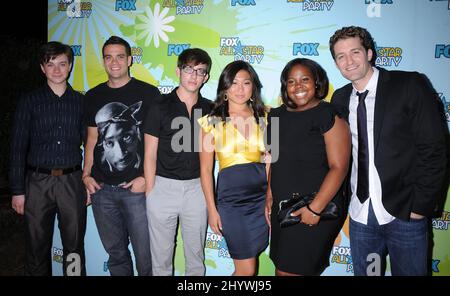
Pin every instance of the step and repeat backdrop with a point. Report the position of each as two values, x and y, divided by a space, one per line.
410 35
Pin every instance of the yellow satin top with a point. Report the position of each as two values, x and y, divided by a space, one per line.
230 146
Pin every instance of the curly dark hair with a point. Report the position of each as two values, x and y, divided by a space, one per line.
353 31
227 76
319 75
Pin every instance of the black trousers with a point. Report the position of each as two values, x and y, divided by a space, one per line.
47 196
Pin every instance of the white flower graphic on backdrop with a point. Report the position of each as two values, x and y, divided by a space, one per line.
155 25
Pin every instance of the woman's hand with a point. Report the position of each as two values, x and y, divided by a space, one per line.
306 216
268 208
214 221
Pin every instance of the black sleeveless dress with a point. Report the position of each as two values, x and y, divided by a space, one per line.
301 167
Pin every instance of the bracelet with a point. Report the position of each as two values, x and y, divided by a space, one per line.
314 213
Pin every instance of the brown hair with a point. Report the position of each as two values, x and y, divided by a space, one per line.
353 31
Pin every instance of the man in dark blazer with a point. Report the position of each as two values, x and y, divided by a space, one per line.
398 157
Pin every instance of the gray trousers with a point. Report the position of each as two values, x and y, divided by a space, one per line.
169 201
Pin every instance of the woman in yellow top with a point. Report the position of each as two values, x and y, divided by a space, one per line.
233 131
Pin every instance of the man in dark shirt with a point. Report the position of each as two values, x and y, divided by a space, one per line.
113 165
172 168
45 171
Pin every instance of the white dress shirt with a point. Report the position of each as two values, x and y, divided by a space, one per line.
358 211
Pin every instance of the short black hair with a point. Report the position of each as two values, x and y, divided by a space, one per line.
52 49
117 40
354 31
196 56
320 77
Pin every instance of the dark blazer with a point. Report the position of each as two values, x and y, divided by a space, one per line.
409 142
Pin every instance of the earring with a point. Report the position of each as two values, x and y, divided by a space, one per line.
225 98
251 99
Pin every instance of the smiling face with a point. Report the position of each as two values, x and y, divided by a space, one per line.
57 69
301 88
241 89
116 62
353 61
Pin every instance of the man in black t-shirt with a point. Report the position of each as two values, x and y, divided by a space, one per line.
172 168
113 166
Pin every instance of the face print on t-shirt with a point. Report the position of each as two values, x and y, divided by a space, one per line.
119 136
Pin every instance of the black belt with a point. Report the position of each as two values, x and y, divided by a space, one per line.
55 172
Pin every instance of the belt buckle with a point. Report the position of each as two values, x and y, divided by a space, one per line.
57 172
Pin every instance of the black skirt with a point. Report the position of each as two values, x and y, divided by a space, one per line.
241 194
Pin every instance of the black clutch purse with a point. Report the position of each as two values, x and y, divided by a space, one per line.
298 201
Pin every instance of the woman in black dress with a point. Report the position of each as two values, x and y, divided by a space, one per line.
314 150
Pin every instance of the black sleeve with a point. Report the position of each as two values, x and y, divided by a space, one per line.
330 113
340 100
89 110
83 131
272 129
429 134
19 146
152 120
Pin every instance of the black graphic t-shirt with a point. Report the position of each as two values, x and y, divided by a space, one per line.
118 114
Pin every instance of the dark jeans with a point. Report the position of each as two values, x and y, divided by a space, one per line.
405 242
120 216
47 196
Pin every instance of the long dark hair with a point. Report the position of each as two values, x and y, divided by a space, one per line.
227 76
